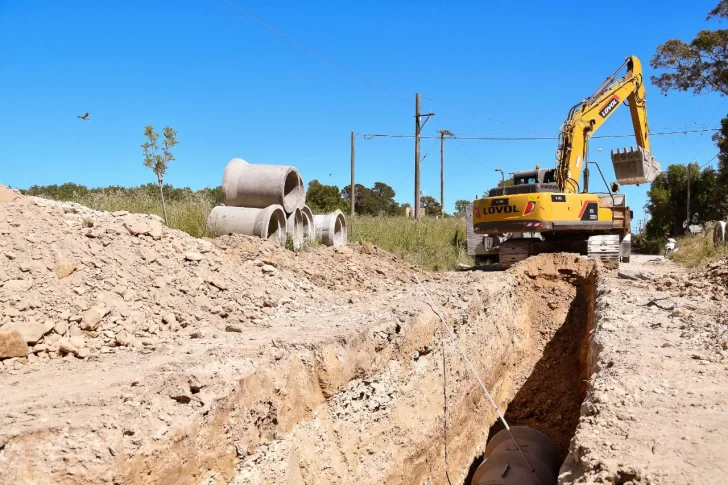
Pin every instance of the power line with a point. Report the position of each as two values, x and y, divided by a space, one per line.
240 12
369 136
466 155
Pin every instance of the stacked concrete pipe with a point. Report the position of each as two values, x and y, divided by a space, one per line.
294 228
309 231
258 200
258 186
266 223
331 228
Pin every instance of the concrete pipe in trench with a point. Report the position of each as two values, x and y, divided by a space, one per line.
267 223
504 464
331 228
258 186
309 232
294 228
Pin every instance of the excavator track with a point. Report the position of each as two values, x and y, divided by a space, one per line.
512 251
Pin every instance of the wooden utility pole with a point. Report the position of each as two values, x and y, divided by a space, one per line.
688 177
352 174
443 134
418 130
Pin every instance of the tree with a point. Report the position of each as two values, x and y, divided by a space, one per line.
700 65
157 161
505 183
460 206
379 200
667 201
432 206
324 198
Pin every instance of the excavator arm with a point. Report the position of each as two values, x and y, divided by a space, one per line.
584 119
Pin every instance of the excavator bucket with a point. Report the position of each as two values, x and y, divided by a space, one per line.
635 166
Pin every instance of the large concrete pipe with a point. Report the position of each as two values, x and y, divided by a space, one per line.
719 234
504 464
267 223
258 186
309 232
294 228
331 228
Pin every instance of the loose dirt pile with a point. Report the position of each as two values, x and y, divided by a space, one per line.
76 282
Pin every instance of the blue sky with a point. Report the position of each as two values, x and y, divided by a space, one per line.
235 89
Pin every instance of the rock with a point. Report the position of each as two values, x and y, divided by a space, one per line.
66 347
193 256
88 222
31 332
32 267
12 344
93 316
725 345
367 248
718 297
169 318
552 305
148 255
119 213
139 228
267 268
123 338
217 283
18 286
234 328
65 268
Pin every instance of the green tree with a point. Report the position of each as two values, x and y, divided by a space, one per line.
379 200
699 65
667 199
324 198
157 161
432 206
460 206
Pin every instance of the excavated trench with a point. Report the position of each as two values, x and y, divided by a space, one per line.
550 399
405 421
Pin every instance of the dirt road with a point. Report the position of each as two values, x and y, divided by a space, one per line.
657 409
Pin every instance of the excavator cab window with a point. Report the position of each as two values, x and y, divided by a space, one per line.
549 177
525 179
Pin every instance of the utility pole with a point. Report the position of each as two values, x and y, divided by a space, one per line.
352 174
443 134
418 130
688 177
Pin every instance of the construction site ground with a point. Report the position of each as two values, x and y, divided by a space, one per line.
157 358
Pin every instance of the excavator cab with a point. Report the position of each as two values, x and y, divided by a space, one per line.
528 182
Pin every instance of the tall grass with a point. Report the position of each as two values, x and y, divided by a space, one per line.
431 244
697 251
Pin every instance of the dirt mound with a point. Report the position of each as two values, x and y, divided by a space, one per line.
76 282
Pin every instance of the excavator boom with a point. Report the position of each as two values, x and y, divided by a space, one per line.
630 167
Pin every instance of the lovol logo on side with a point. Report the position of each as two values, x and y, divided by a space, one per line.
611 104
505 209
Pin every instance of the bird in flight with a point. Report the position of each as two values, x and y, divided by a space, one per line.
84 117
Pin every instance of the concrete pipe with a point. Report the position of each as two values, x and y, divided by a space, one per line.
502 454
294 228
309 232
331 228
259 186
719 233
268 223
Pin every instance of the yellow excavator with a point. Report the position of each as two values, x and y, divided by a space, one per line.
547 210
